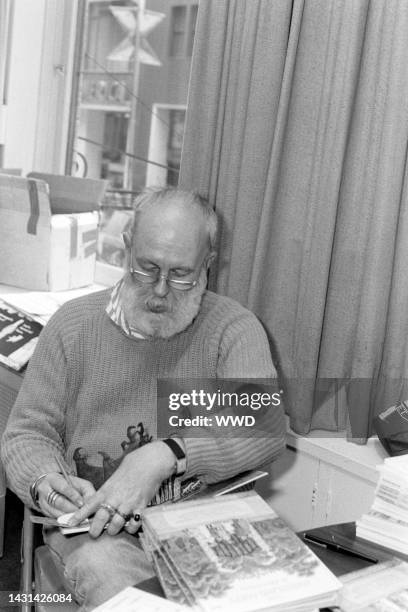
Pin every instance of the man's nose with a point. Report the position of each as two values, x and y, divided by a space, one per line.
161 287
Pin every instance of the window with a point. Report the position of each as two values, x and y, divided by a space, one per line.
183 21
174 144
127 118
178 30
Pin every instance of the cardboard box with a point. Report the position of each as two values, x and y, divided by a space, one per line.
45 242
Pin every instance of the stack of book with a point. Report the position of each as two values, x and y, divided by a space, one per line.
378 588
234 553
386 523
18 336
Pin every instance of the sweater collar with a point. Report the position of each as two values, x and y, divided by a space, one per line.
115 312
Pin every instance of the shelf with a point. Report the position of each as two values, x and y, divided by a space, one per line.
107 108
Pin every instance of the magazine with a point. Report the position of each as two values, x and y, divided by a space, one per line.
235 553
19 334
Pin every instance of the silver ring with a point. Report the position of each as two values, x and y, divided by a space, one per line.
110 509
136 517
125 516
51 497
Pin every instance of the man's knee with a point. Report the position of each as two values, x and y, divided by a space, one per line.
95 570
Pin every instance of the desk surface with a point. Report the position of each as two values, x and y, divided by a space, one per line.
337 562
345 533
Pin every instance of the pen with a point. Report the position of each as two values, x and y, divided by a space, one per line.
64 472
345 550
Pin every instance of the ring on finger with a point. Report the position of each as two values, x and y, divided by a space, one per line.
51 497
125 516
110 509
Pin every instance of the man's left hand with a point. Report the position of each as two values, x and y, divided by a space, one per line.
130 488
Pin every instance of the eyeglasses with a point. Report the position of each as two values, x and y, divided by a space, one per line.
150 278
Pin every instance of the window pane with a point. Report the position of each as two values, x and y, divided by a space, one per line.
132 93
178 30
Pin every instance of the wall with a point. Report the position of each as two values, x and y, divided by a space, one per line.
322 479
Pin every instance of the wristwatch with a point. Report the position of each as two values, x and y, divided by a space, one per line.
181 462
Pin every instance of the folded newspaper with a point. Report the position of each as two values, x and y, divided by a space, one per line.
234 553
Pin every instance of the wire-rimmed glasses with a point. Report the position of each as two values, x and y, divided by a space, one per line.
154 276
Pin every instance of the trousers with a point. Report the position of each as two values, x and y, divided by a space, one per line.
96 569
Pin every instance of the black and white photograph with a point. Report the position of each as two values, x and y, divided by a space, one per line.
203 305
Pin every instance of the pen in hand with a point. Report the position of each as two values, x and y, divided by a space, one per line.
66 476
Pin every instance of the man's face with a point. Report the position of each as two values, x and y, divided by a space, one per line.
172 242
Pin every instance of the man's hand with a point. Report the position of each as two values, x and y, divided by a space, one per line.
130 488
68 498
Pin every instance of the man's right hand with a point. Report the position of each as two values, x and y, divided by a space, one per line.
68 498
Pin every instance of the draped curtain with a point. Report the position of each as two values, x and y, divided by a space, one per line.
297 131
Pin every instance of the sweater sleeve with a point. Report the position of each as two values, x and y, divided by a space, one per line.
243 353
35 429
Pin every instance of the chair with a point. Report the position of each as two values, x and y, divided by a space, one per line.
39 574
3 488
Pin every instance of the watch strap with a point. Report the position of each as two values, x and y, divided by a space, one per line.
181 461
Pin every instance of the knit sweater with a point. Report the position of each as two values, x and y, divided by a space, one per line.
89 393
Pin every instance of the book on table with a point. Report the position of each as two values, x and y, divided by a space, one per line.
19 334
234 553
135 600
378 588
172 490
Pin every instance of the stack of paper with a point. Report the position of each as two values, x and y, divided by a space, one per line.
378 588
387 521
135 600
234 553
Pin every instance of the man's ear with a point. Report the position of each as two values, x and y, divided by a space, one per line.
127 239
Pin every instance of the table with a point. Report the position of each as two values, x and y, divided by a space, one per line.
345 533
338 563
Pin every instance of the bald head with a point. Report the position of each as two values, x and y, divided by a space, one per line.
172 207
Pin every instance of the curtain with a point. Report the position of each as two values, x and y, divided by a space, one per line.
296 131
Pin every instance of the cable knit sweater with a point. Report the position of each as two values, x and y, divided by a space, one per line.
89 393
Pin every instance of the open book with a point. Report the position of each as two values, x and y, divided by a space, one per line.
234 553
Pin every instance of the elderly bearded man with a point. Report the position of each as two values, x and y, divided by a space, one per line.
93 377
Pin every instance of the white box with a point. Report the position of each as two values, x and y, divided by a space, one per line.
40 247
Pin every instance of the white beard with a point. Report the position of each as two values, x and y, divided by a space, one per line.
160 317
